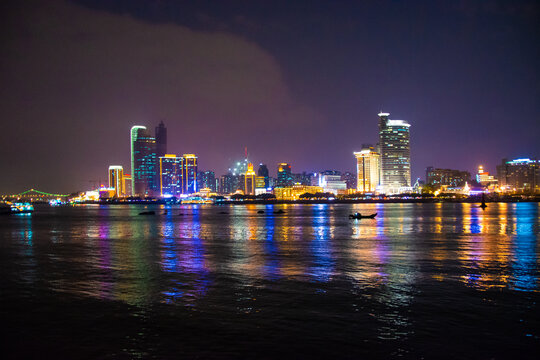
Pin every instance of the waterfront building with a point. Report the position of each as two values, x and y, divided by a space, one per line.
170 175
207 180
161 140
226 184
484 178
143 162
367 170
128 190
446 177
263 172
284 175
294 192
331 182
350 179
249 180
394 142
519 175
302 179
189 174
116 180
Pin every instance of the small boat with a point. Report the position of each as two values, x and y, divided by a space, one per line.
360 216
22 208
147 213
483 205
260 212
280 211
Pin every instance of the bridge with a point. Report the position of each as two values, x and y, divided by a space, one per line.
34 195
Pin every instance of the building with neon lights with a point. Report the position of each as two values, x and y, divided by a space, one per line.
249 180
170 175
143 162
284 175
367 170
116 180
394 142
189 174
519 175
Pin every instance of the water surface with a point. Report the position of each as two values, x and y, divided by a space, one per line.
420 280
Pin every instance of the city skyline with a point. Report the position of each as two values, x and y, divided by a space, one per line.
80 72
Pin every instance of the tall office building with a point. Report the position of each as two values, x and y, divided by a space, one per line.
189 174
116 180
206 180
263 171
161 140
143 162
367 170
249 180
394 142
170 175
284 175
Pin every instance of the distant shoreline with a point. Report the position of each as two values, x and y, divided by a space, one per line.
335 201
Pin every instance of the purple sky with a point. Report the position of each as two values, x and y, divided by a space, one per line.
299 82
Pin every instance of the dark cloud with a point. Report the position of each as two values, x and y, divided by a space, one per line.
76 80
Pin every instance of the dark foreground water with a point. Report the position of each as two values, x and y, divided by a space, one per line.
420 281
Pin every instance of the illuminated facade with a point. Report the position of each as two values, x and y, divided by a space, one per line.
189 174
330 181
446 177
394 142
116 180
263 171
249 180
367 170
484 178
128 191
519 175
294 192
143 162
206 180
170 175
284 175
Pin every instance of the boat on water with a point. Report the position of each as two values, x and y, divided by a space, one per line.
18 208
360 216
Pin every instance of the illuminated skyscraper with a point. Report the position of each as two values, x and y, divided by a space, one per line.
519 175
367 170
284 175
249 180
189 174
206 179
263 171
161 140
394 145
116 180
170 175
143 162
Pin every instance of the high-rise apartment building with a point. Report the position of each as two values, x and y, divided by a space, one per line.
170 175
116 180
143 162
367 170
189 174
394 142
161 140
519 175
249 180
284 175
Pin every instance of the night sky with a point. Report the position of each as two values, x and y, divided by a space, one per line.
294 81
